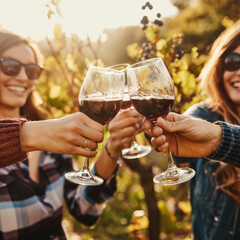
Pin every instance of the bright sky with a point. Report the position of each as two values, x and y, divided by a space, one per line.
83 17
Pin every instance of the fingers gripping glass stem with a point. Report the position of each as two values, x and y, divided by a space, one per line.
173 175
100 98
152 93
135 150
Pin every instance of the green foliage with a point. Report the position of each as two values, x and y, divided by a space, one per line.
66 66
202 21
184 67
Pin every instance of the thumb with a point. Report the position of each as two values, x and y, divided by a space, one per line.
167 125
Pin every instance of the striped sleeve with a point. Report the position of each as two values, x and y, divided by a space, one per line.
10 146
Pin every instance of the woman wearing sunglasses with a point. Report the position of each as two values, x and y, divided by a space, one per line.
215 190
32 192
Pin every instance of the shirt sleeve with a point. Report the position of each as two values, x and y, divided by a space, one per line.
229 149
10 145
101 193
86 203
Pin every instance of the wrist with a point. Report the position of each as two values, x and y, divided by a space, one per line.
110 152
30 136
217 138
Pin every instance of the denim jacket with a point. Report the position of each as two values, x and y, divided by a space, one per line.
215 215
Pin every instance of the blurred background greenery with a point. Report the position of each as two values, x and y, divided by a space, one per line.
140 209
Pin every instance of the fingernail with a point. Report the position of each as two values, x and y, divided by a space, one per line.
156 149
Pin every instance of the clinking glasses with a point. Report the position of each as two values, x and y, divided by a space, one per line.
231 62
12 67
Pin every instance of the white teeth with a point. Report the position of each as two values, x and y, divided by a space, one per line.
16 88
236 84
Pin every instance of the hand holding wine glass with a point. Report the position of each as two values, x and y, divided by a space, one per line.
152 93
122 130
100 98
135 150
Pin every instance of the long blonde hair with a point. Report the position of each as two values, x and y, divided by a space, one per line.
227 177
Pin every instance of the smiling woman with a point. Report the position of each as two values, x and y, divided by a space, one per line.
220 80
19 69
32 192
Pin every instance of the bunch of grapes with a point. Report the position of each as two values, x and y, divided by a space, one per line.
149 48
145 21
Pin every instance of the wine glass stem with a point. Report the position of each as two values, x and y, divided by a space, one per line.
172 170
171 163
86 163
85 172
134 143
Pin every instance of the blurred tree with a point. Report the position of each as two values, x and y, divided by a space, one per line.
66 66
117 41
202 21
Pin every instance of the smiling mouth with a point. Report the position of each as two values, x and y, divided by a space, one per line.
17 89
236 85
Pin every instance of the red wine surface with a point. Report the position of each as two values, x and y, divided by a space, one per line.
100 109
153 107
126 104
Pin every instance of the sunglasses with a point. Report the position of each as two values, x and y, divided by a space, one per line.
231 62
12 67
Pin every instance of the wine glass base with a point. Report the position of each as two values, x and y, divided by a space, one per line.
136 151
174 176
84 178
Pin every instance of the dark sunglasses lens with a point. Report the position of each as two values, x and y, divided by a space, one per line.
33 71
232 62
10 67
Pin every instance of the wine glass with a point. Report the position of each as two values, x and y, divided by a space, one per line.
100 98
151 91
135 150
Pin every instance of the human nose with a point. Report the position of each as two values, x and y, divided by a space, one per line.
22 75
238 72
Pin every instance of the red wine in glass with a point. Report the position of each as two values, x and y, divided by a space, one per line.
101 110
135 150
126 104
153 107
100 98
152 93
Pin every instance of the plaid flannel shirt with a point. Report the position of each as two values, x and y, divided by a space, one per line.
29 210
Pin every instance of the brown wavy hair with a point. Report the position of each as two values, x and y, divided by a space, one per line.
32 109
227 177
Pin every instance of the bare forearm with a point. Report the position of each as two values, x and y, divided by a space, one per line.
105 165
65 135
32 136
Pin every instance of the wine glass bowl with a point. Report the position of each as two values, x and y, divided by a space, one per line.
152 93
100 98
126 103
